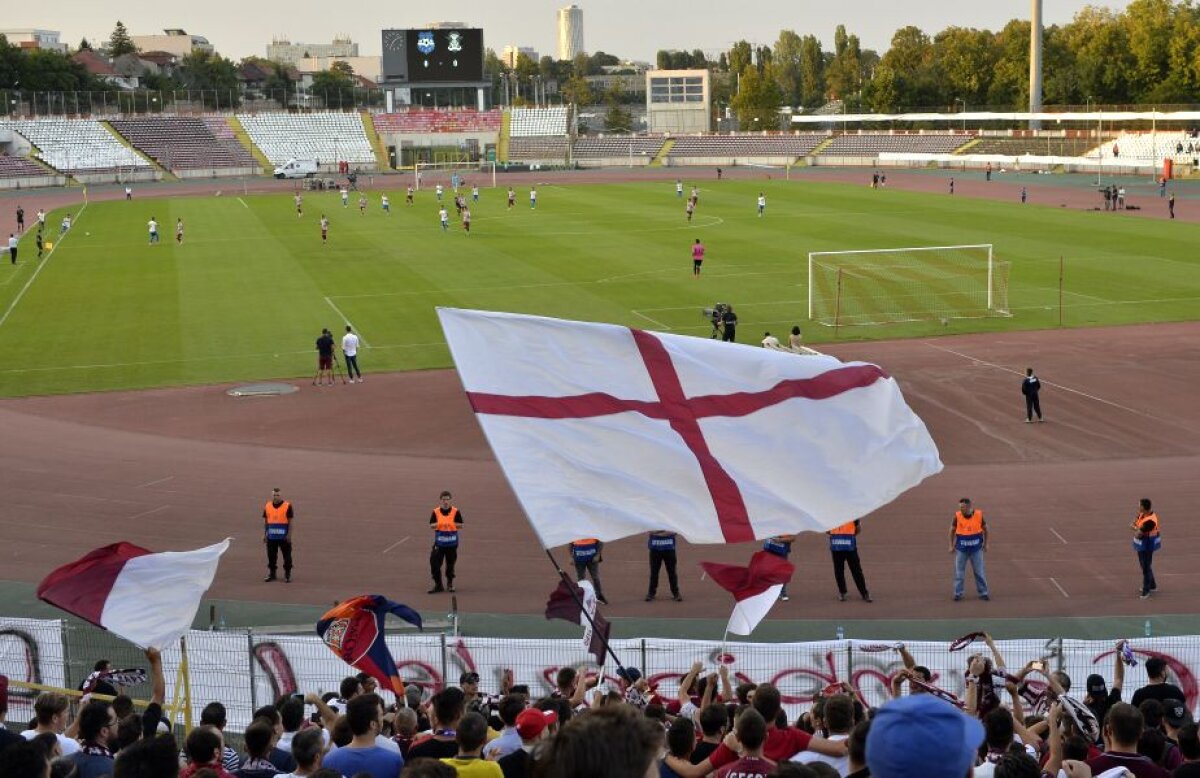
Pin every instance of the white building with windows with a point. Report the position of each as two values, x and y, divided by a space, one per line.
173 41
283 50
678 101
30 38
511 52
570 32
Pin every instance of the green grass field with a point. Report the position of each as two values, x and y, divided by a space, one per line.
248 293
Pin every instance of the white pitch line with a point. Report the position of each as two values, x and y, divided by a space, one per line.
346 319
985 363
152 510
38 270
703 575
243 202
1059 587
655 322
1060 537
154 483
398 542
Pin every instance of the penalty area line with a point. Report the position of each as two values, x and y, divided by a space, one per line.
655 322
346 319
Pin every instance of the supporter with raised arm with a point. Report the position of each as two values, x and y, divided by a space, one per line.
781 744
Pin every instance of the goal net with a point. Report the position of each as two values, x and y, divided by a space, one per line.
428 174
882 286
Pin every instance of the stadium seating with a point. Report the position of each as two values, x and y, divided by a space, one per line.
745 145
869 145
182 143
325 137
76 145
535 122
19 167
1038 147
1147 146
538 148
422 122
617 146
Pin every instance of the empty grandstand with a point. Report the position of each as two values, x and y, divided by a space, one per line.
182 143
617 146
328 138
732 146
537 122
77 145
867 145
1182 147
1036 147
421 122
19 167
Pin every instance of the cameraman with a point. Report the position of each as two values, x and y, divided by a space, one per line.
324 357
729 325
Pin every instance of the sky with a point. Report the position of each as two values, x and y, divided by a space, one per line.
633 29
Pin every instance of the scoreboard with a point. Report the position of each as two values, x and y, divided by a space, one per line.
419 56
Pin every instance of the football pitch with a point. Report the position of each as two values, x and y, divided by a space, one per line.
246 294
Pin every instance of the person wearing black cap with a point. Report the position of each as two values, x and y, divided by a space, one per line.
1098 697
1176 716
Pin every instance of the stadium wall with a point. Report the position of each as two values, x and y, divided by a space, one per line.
637 160
32 182
670 161
248 668
219 172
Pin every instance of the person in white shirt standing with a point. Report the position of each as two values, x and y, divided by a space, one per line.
838 715
153 225
350 352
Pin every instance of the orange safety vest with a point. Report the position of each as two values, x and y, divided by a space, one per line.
585 549
278 522
968 530
1151 541
843 538
445 531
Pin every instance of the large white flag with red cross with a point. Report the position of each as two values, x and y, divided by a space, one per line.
605 431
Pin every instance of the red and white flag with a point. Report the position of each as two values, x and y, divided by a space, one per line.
605 431
147 598
755 588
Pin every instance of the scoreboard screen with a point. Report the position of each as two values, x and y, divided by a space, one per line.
433 55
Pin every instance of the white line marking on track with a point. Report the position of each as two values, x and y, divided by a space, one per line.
985 363
655 322
1059 587
346 319
153 483
243 202
1060 537
147 513
398 542
45 262
703 575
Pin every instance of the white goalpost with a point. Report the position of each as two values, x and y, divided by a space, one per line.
427 174
881 286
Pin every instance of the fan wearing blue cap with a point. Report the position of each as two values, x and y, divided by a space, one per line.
920 736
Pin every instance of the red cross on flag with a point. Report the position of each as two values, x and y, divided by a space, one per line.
606 431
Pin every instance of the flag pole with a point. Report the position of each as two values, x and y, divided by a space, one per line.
575 596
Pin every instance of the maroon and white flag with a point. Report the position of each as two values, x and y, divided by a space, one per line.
606 431
147 598
755 588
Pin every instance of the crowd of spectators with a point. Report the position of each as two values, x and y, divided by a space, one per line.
1008 724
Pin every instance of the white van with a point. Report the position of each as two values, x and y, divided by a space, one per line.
297 168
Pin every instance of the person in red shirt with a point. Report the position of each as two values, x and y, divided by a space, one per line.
781 743
751 733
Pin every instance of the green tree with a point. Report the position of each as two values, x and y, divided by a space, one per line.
342 68
758 99
214 75
908 69
334 88
786 57
618 118
965 58
119 42
1009 87
812 72
84 45
843 77
723 63
577 91
740 57
548 68
1098 45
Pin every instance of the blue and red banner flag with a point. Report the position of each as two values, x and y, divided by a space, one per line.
354 631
